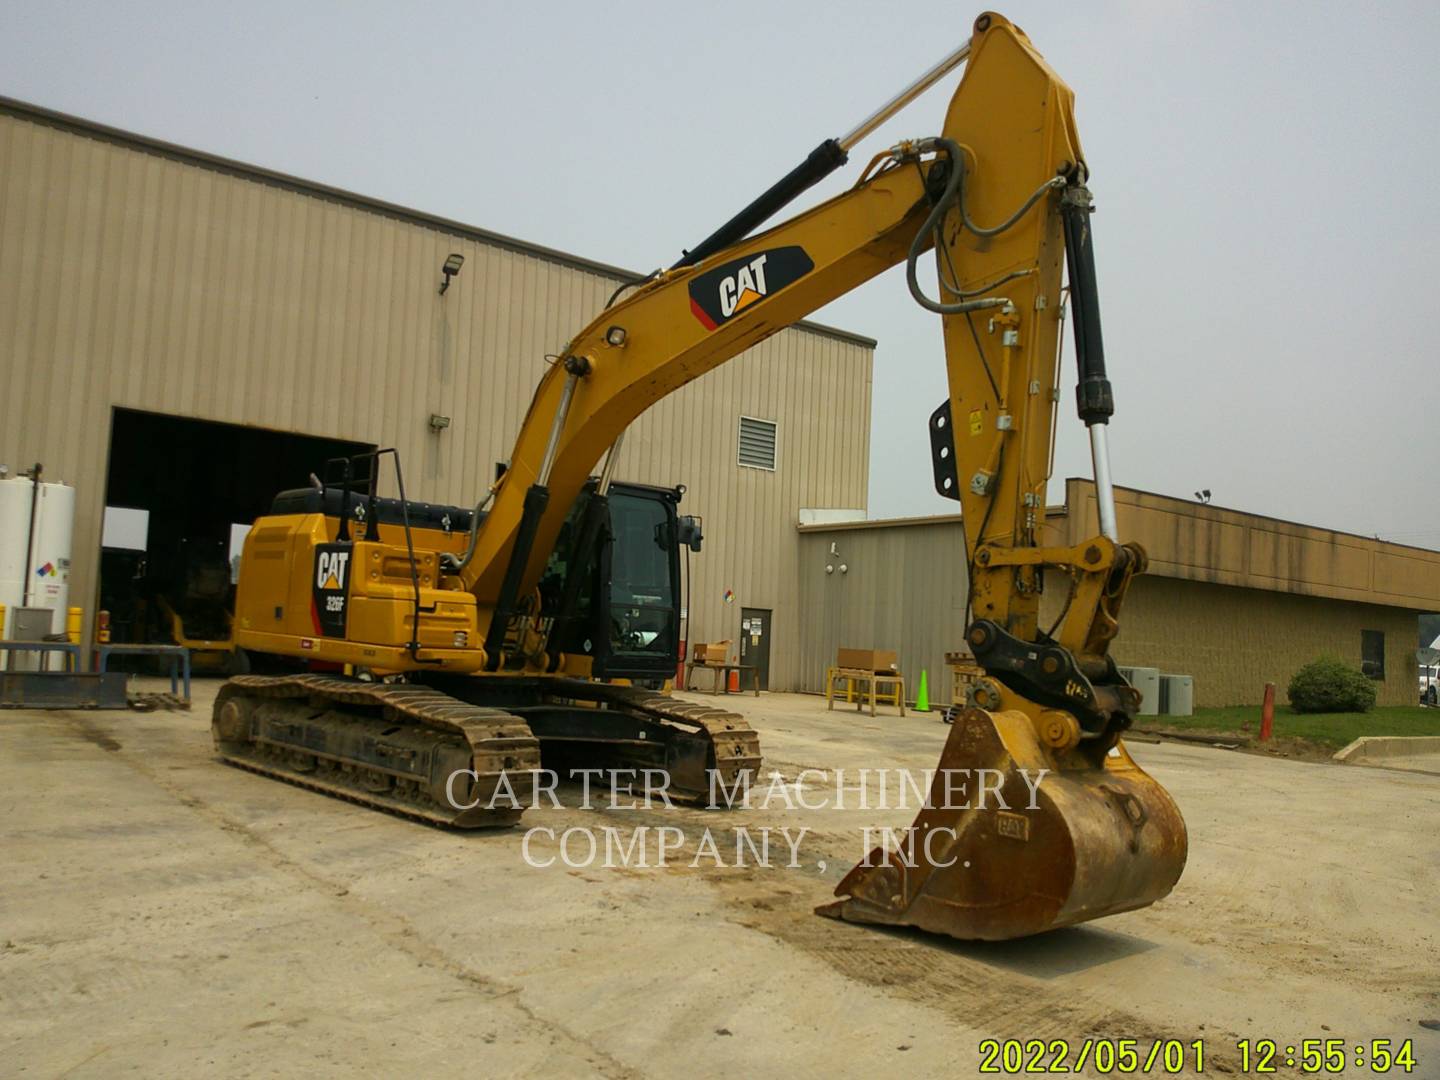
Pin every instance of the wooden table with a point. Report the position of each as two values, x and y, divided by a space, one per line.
894 681
722 675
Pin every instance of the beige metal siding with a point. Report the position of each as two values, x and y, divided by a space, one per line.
818 391
903 588
130 278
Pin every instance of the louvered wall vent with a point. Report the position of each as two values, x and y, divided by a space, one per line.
757 443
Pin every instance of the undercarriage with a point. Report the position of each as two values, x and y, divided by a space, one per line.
466 752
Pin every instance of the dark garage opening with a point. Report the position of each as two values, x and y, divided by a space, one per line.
179 497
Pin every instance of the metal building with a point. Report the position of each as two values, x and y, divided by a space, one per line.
186 335
1233 599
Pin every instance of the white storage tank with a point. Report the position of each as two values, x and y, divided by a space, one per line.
14 527
38 519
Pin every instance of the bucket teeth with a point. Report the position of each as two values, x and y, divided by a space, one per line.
1016 839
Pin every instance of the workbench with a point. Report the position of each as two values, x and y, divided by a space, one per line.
177 656
69 652
722 675
888 686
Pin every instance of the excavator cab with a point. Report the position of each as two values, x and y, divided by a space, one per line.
613 581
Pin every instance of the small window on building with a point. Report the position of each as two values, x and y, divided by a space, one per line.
757 443
1372 653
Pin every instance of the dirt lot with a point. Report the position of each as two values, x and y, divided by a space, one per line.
164 915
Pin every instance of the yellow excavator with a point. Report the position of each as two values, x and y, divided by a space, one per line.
490 640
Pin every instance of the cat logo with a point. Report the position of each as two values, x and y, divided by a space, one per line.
330 597
330 568
719 294
1012 826
744 287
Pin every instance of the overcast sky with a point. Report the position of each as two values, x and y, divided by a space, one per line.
1265 173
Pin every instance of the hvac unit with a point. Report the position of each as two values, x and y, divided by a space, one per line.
1177 695
1147 681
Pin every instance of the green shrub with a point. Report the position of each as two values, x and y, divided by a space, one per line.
1329 685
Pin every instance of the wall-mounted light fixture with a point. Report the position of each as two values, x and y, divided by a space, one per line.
453 262
438 423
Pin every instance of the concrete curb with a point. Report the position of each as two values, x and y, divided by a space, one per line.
1388 746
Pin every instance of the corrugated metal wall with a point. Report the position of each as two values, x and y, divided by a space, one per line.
902 587
129 277
905 588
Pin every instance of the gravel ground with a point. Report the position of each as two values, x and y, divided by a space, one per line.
164 915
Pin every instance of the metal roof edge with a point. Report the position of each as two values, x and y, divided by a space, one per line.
1252 514
879 523
79 125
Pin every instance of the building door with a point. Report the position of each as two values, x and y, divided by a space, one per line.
755 644
179 497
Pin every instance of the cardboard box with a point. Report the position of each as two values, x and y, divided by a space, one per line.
882 661
715 652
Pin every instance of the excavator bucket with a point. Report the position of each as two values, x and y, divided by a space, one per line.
1017 838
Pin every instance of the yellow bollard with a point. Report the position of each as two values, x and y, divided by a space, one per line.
74 620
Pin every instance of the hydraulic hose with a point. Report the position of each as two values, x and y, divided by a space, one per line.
449 562
954 195
1008 223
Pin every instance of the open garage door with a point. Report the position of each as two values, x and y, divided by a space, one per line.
180 496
